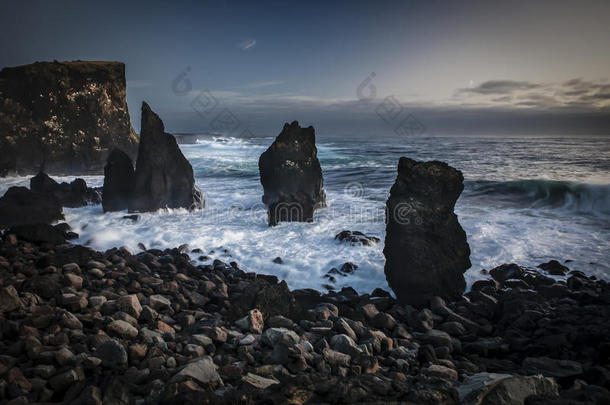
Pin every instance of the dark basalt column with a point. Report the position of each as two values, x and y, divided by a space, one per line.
164 177
425 247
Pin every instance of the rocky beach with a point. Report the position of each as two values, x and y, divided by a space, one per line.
119 327
187 324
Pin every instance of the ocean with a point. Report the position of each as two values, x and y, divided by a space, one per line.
527 200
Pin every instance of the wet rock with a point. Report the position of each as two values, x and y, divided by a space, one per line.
341 326
425 247
122 329
38 233
112 353
72 195
163 177
503 389
383 321
130 304
273 336
437 338
203 370
252 322
291 176
356 237
119 177
336 359
279 321
562 370
20 206
19 383
259 382
507 271
159 303
9 299
554 268
345 344
63 381
439 371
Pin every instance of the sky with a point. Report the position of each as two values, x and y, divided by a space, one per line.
347 68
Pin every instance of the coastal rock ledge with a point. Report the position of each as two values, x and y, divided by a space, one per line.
63 117
291 176
425 247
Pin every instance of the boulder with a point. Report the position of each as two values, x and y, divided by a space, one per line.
38 233
20 206
9 299
559 369
507 271
425 247
63 117
503 389
203 370
554 268
74 194
259 382
291 176
357 238
164 177
118 181
112 353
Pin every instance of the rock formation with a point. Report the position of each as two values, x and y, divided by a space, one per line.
163 177
291 176
74 194
118 181
20 206
63 117
425 247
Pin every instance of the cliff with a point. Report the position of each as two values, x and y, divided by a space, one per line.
63 117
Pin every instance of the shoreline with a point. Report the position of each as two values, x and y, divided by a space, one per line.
83 325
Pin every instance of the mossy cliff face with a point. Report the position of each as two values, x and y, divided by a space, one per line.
64 118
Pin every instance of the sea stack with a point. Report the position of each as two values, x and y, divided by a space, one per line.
118 181
164 177
425 247
291 176
63 117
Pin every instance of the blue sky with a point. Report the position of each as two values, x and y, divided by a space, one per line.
471 67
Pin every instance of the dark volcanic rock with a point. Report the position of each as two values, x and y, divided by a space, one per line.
20 206
74 194
118 181
81 326
554 267
425 247
63 117
163 178
357 237
291 176
38 233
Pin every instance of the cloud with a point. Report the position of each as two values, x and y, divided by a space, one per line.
572 94
505 107
247 44
258 85
500 87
